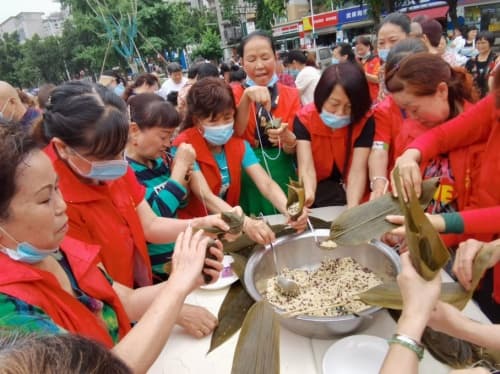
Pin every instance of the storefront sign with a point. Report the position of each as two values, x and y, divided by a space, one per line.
287 29
356 14
321 20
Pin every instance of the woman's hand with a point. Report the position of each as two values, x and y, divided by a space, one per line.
464 259
281 136
258 95
409 171
435 219
258 231
209 221
188 260
419 296
196 320
299 224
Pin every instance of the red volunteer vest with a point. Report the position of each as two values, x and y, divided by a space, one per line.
329 146
41 289
105 215
287 107
234 149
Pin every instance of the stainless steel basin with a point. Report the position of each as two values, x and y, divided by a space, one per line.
300 251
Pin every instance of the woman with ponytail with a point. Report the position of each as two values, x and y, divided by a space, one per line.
431 92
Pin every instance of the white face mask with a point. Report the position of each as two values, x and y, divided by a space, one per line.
2 115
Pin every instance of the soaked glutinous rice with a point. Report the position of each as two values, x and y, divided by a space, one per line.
328 291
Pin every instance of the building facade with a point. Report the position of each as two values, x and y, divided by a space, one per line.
27 24
333 26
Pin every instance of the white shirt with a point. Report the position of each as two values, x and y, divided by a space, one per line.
169 85
306 82
457 44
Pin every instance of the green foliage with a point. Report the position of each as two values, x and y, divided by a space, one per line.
210 47
230 11
10 55
264 17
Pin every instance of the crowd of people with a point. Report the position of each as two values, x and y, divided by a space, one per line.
105 184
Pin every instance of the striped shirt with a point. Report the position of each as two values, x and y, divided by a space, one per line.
165 196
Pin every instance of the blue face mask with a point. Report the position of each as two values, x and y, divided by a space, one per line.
293 72
25 252
103 170
383 53
333 121
272 82
335 61
218 135
119 90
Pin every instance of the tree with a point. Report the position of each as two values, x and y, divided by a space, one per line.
10 58
210 47
43 59
264 15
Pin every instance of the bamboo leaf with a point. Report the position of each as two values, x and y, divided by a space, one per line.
387 295
295 198
239 264
427 251
367 221
258 347
231 314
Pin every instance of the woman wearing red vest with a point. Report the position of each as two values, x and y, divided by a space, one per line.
54 284
85 128
388 121
334 137
259 100
479 124
370 62
431 92
221 158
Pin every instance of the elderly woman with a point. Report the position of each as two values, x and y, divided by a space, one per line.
261 99
52 283
481 66
334 137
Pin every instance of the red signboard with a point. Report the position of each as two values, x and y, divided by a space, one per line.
323 20
287 29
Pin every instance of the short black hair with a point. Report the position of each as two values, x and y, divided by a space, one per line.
173 67
149 110
296 55
85 116
486 35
